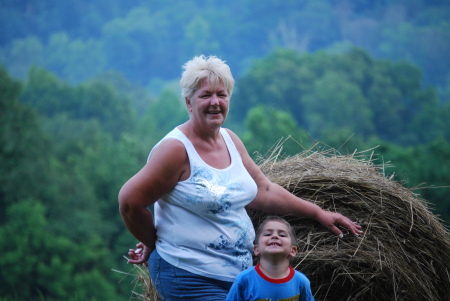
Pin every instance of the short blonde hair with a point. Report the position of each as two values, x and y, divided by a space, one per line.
200 67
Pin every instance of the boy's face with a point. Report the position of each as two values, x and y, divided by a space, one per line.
275 241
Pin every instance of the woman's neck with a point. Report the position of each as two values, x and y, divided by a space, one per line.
194 132
211 147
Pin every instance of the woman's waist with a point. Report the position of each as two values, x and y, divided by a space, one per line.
206 261
184 236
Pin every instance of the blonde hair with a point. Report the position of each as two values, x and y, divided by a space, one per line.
200 67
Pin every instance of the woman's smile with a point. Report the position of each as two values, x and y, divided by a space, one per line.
209 104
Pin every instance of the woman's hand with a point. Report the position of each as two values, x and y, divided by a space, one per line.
332 220
139 255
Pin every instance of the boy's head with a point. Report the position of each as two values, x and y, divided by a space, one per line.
275 236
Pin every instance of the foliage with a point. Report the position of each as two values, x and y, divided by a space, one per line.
59 224
36 261
65 151
97 99
350 90
21 142
79 121
269 126
167 111
423 167
146 40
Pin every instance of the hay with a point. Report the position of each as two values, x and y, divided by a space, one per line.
143 288
404 253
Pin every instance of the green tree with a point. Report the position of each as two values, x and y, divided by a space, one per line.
97 99
199 37
24 52
145 40
100 101
21 144
420 167
47 94
268 127
36 262
437 176
347 90
140 97
74 60
137 44
91 167
278 81
403 111
168 110
337 103
68 173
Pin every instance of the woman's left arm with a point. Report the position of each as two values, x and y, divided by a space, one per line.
274 199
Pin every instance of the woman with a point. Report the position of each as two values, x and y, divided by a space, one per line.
200 178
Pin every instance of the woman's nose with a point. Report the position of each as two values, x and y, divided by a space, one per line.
214 100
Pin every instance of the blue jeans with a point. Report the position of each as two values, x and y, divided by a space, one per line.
174 284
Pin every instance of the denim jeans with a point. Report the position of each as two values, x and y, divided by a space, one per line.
174 284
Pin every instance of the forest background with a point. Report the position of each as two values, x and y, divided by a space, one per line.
88 87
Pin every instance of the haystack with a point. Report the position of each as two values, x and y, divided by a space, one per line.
404 253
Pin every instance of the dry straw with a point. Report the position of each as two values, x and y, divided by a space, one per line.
404 253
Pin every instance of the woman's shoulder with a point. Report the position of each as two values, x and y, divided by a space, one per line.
176 133
169 158
172 141
236 140
230 132
171 146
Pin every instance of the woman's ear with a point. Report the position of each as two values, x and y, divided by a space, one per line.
188 104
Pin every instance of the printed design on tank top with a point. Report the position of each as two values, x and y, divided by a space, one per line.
241 255
213 191
214 195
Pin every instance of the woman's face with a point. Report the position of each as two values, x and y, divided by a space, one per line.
209 105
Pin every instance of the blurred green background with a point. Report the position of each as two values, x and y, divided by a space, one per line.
88 87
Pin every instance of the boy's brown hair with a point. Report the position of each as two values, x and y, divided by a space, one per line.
276 218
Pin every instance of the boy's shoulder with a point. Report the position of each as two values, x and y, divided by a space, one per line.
246 272
246 275
301 278
251 274
299 274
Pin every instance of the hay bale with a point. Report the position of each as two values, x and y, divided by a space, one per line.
404 253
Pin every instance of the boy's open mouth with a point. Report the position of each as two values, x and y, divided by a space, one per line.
274 244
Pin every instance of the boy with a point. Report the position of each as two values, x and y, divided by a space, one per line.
272 279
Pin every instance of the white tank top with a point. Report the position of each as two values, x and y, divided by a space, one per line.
202 225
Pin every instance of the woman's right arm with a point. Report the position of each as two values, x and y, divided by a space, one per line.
165 168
